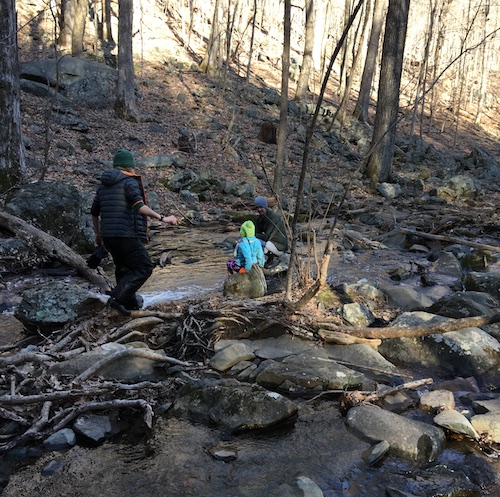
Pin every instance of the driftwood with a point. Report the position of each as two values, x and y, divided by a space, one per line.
357 397
53 247
330 330
340 338
450 239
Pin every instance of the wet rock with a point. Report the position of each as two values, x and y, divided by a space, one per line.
455 422
465 304
60 440
447 264
375 453
231 355
50 306
301 487
132 369
484 282
95 428
409 439
467 352
232 405
250 285
308 372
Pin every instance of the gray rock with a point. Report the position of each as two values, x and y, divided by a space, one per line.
409 439
247 285
437 400
487 425
231 355
56 208
301 487
484 282
232 405
406 298
357 314
455 422
309 372
80 81
95 428
60 440
465 304
50 306
374 454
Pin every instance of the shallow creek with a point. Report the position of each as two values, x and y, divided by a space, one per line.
175 459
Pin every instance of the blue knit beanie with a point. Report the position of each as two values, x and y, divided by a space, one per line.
123 159
260 202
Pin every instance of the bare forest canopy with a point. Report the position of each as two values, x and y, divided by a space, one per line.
451 54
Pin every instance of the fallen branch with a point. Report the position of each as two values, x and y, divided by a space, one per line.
450 239
53 247
414 331
120 354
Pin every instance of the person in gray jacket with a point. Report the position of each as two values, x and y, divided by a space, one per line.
119 215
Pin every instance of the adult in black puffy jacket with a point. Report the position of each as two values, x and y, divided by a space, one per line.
119 215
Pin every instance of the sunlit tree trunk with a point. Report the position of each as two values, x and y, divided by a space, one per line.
125 105
72 25
307 59
285 73
384 131
342 111
213 59
361 109
12 161
419 101
252 40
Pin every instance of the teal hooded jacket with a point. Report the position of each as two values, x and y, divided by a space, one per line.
249 249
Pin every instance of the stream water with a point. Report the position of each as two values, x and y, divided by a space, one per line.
175 459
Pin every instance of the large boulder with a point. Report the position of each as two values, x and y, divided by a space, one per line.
50 306
78 81
56 208
250 285
232 405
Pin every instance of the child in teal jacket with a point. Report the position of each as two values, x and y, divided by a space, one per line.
248 251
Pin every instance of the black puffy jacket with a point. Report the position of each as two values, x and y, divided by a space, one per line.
114 202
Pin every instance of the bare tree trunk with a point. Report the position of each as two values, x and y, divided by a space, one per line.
79 21
107 21
12 161
307 58
342 111
300 187
252 40
384 131
361 109
213 60
125 105
285 74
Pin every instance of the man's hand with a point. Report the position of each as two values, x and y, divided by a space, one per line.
170 220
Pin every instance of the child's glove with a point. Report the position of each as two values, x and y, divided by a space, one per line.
242 270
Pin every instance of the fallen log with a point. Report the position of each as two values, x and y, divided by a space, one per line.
451 239
53 247
413 332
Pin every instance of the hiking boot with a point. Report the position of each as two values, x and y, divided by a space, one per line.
118 307
135 304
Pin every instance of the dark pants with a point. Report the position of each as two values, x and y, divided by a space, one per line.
133 267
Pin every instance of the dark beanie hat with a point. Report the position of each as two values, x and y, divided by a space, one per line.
123 158
260 202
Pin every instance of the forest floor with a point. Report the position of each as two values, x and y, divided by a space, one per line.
171 99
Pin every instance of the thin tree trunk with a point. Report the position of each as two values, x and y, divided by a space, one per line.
285 73
300 187
125 105
79 22
361 109
252 40
307 58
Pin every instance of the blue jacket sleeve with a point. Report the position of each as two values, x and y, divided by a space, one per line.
246 255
